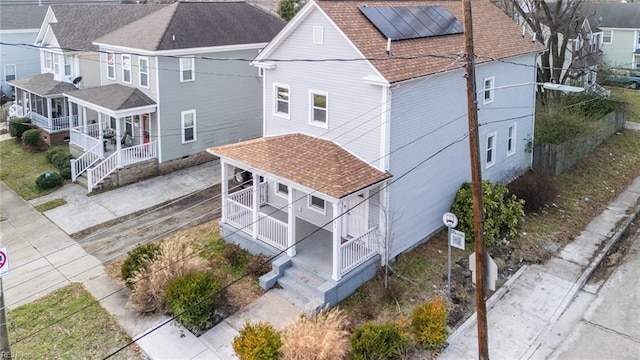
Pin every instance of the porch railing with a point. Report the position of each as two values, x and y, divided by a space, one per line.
101 171
56 124
272 231
358 250
138 153
239 216
245 196
85 161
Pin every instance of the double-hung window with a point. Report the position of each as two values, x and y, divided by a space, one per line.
67 65
186 69
126 69
319 108
111 66
188 126
607 36
56 64
143 68
511 139
491 150
48 60
317 204
9 72
281 103
488 90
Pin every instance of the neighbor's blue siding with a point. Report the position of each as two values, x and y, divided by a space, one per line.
26 59
429 146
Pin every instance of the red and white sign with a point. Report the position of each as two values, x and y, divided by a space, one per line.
4 262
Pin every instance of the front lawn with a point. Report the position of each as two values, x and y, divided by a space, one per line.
20 168
66 324
632 98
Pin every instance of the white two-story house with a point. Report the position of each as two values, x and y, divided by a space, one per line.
172 84
366 137
68 61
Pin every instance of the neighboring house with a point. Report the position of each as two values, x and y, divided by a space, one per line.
583 54
19 25
620 24
365 135
67 60
172 84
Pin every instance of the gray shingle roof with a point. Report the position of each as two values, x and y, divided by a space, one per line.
113 97
614 15
15 17
79 25
43 84
185 25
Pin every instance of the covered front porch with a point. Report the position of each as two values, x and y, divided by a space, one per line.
41 99
114 129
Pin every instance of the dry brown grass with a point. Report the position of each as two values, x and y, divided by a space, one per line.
323 336
177 258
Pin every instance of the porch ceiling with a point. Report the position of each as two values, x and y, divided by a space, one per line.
113 97
312 162
43 85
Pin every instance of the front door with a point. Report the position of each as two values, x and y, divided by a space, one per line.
145 128
357 216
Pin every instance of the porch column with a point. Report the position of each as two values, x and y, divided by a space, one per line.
291 221
118 143
72 124
84 119
224 189
49 113
337 240
256 203
100 138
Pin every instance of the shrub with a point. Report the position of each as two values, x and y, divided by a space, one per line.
61 160
49 180
257 342
18 126
259 265
234 255
137 260
536 188
176 258
53 151
65 172
379 341
429 324
323 336
31 137
191 298
503 212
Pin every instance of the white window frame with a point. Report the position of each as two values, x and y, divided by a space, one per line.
15 69
66 64
111 65
282 193
312 108
183 127
143 74
126 67
604 36
488 89
183 62
490 150
276 100
312 206
318 35
48 60
511 139
56 64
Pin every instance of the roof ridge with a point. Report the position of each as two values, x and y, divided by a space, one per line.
174 8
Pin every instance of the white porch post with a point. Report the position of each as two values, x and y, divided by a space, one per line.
49 113
100 138
256 203
84 119
118 143
337 240
224 189
72 124
291 221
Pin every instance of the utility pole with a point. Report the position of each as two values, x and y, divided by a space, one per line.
476 182
5 351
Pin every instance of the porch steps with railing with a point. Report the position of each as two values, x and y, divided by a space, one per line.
83 180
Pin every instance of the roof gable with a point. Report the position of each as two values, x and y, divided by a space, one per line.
185 25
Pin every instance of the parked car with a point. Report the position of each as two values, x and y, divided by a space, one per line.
626 78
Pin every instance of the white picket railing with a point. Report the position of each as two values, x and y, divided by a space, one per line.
272 231
358 250
86 160
101 171
138 153
239 216
243 197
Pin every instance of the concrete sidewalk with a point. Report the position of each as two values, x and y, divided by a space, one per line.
521 314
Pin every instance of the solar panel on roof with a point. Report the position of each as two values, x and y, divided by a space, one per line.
411 22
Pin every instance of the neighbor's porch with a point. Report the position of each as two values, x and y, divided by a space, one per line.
48 112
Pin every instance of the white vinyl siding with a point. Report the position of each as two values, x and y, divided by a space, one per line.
317 204
319 108
126 69
511 139
487 94
111 66
318 35
143 69
282 100
187 69
188 126
9 72
490 150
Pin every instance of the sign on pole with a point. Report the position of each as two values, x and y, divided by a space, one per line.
457 239
4 262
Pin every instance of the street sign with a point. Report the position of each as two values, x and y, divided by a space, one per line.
457 239
490 271
4 262
450 220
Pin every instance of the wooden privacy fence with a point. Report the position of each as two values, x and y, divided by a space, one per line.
556 159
